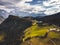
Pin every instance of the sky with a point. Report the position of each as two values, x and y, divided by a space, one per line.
29 7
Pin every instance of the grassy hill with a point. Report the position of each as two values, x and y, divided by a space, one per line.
27 31
42 32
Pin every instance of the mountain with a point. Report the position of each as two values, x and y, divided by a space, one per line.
51 19
36 34
13 28
26 30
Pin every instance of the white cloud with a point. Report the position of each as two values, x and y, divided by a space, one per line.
6 9
53 6
51 2
26 0
26 7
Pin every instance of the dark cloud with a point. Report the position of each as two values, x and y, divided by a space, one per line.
5 3
11 1
36 2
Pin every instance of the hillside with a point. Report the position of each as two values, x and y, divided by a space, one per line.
52 19
12 29
41 35
28 31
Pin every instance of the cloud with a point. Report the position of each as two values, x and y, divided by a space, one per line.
47 7
6 9
3 13
51 2
27 7
10 1
53 6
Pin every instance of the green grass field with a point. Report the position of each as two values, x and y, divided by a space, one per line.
38 31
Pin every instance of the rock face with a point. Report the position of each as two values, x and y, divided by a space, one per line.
13 27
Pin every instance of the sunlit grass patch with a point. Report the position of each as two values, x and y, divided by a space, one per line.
36 30
54 35
2 36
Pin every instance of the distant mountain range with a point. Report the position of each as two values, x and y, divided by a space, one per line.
51 19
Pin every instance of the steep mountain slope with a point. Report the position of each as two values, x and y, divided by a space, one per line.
13 28
52 19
